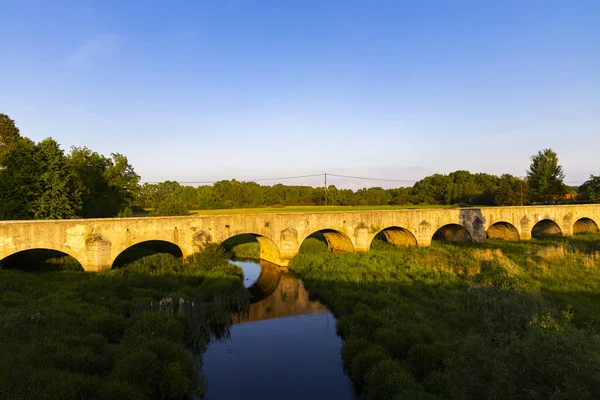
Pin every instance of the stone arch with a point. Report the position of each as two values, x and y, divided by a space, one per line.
145 248
28 255
268 249
452 233
545 228
336 240
396 236
585 225
502 231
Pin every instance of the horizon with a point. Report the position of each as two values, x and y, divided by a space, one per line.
240 90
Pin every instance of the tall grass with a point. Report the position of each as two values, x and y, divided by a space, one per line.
136 332
496 320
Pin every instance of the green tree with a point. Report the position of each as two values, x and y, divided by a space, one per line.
108 185
545 177
169 207
511 191
96 193
123 181
9 134
37 182
590 190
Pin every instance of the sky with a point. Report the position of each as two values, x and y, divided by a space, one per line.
203 90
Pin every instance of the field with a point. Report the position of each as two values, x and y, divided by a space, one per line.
517 320
307 209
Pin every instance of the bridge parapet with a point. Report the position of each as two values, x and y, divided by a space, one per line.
96 243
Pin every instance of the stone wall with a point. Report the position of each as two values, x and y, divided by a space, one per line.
96 243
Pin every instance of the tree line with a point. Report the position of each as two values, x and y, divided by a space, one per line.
40 181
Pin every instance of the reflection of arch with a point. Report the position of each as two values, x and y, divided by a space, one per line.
336 240
267 282
544 228
146 248
452 233
585 225
502 231
32 259
396 236
268 249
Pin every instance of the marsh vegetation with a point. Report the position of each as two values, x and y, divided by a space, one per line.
466 321
517 319
135 332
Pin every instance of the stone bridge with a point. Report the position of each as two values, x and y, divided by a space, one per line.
96 243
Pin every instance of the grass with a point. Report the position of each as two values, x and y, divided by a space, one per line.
304 209
137 332
473 321
242 246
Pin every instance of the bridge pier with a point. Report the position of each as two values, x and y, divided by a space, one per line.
96 243
96 255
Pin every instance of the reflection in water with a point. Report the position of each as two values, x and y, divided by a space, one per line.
275 294
284 347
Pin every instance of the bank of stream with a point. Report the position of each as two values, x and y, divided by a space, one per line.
284 346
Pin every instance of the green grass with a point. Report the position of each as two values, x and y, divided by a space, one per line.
500 320
304 209
242 246
137 332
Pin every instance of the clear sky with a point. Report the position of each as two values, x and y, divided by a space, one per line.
205 90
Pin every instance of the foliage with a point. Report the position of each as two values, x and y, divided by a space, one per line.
466 321
9 134
511 191
136 332
590 190
545 177
108 185
36 183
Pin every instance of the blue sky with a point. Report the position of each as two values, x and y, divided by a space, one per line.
208 90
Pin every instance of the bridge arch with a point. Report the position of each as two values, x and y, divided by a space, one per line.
452 233
26 258
396 236
545 228
336 241
145 248
502 231
585 225
268 249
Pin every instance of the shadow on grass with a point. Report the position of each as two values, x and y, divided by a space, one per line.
465 321
130 333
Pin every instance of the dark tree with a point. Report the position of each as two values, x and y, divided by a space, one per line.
590 190
37 183
9 134
545 177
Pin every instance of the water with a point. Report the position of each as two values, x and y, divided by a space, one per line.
284 347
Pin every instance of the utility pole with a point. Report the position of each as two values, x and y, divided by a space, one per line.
522 179
521 191
325 188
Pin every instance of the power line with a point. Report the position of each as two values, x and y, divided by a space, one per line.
373 179
315 175
249 180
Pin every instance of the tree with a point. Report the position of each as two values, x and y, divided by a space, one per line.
545 177
511 191
590 190
123 181
37 182
108 185
9 134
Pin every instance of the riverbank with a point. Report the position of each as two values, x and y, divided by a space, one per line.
137 332
493 320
